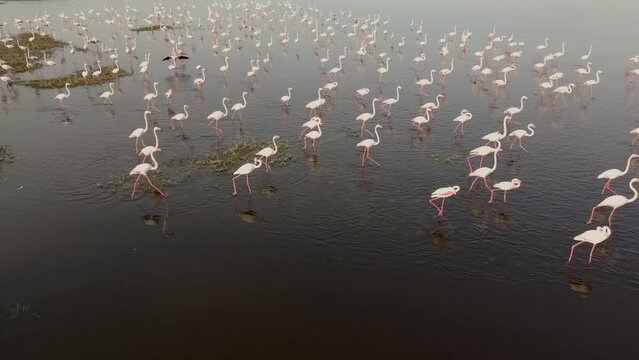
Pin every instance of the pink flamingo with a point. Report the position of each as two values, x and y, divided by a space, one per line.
464 116
137 133
442 193
504 186
424 82
479 151
367 144
142 170
614 202
431 105
268 152
612 174
483 172
245 169
365 117
591 236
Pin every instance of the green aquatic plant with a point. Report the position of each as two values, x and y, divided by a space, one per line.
228 160
152 28
122 184
6 155
450 159
76 79
16 57
19 308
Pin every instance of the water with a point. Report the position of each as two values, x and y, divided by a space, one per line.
339 260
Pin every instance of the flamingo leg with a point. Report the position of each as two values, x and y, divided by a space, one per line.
481 161
505 192
248 185
432 202
135 185
522 146
591 251
603 189
364 156
302 133
572 249
456 127
136 145
304 148
368 156
462 129
564 99
234 187
592 214
487 186
490 201
171 121
441 211
153 186
314 150
610 217
470 168
473 184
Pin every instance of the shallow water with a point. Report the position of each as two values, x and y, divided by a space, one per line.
339 259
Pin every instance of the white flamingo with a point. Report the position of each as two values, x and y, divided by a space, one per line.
367 144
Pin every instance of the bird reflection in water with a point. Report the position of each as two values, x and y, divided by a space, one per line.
152 217
247 215
578 283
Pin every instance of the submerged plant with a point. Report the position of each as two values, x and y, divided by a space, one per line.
16 57
76 79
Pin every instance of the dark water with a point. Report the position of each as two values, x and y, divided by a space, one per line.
338 261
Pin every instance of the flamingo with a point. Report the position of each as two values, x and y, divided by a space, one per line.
516 110
364 117
546 85
479 151
335 70
585 57
85 73
419 59
636 133
200 81
612 174
137 133
432 105
383 70
563 50
225 67
483 172
62 96
478 67
518 134
591 83
464 116
97 72
168 95
591 236
107 94
419 120
561 90
542 47
314 122
285 99
268 152
367 144
362 92
615 202
500 83
150 96
325 59
142 170
237 107
116 71
314 135
217 115
48 62
582 71
424 82
315 104
245 169
504 186
179 117
148 150
494 136
442 193
389 102
444 72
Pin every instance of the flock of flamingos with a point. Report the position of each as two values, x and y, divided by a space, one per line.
495 60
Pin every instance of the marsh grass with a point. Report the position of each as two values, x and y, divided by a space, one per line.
16 57
76 79
177 170
450 159
151 28
19 308
6 155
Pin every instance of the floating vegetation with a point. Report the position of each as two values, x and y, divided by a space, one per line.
153 28
76 79
15 57
227 161
6 155
19 308
123 183
450 159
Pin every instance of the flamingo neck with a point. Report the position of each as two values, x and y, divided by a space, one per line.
155 162
275 145
505 124
397 94
186 113
146 122
377 135
495 158
375 99
289 93
627 166
521 102
155 87
66 86
244 98
431 75
157 141
531 129
111 87
226 110
259 164
203 74
634 197
452 65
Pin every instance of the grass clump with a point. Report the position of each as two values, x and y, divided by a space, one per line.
122 184
19 308
15 57
152 28
76 79
227 161
450 159
6 155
